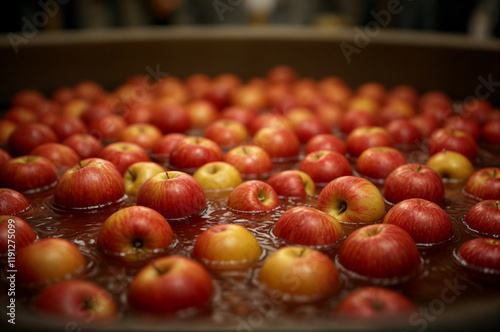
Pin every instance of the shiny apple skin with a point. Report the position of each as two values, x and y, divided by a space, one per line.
292 183
15 229
484 183
253 196
482 254
484 218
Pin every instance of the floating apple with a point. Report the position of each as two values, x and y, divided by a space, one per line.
85 145
414 181
451 165
484 183
279 143
172 119
378 162
192 152
62 156
251 160
253 196
452 140
299 274
484 218
15 233
28 173
226 133
12 202
123 155
404 132
308 226
426 222
201 113
381 251
482 254
309 128
325 142
356 119
323 166
266 120
292 183
218 175
27 137
227 247
138 173
92 183
243 115
175 195
142 134
490 132
107 128
467 125
170 284
352 199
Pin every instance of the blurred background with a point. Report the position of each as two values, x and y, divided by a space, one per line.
479 18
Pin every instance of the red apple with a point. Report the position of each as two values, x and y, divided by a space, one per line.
484 218
251 160
175 195
308 128
107 128
27 98
7 127
253 196
62 156
325 142
85 145
381 251
28 174
356 119
363 138
48 260
363 104
243 115
201 113
77 300
395 109
331 114
170 284
482 254
4 157
299 274
452 140
164 146
292 183
426 124
135 233
227 247
21 115
439 111
198 85
252 96
403 92
269 120
404 132
373 90
323 166
122 155
484 183
66 126
142 134
27 137
63 95
92 183
15 233
218 175
491 132
477 109
281 74
378 162
226 133
279 143
374 303
219 94
192 152
451 165
467 125
88 90
12 202
308 226
352 199
414 181
75 107
95 112
138 173
426 222
138 114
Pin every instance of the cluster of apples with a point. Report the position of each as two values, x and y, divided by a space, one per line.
167 144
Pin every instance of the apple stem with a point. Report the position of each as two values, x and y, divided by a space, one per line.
87 303
494 173
302 252
244 150
343 207
166 173
419 168
156 268
497 205
134 176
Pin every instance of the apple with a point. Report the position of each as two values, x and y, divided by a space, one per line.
218 175
467 125
15 233
352 199
252 96
226 133
434 96
378 162
227 247
62 156
484 218
404 92
299 274
250 160
12 202
372 90
48 260
425 221
142 134
92 183
439 111
404 132
243 115
198 85
66 125
380 251
308 226
4 157
281 74
63 95
331 114
21 115
482 254
253 196
77 300
363 138
138 173
452 140
7 127
374 303
269 120
491 132
164 146
323 166
484 183
414 181
308 128
292 183
123 154
298 114
107 128
175 195
363 104
170 284
395 109
85 145
279 143
477 109
88 90
451 165
134 233
95 112
138 114
192 152
426 124
28 174
172 119
27 98
201 113
325 142
27 137
75 107
219 94
356 119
